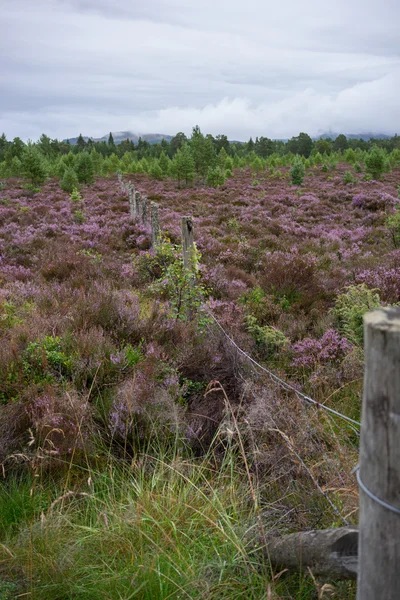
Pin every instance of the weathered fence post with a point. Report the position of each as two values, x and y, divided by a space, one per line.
144 210
132 207
137 203
187 242
379 471
155 224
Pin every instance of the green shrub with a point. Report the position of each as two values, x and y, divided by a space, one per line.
43 360
268 338
349 309
78 216
215 177
84 168
8 316
297 171
69 181
75 196
357 167
150 266
181 287
133 355
33 166
393 225
350 156
349 178
375 163
155 171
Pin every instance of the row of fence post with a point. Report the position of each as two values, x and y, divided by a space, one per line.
141 210
378 564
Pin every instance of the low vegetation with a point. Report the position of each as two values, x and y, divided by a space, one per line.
142 455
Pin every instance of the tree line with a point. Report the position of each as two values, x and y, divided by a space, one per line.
207 159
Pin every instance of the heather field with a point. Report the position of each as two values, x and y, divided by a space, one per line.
142 455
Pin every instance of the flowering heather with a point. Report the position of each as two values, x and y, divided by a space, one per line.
331 348
375 200
383 278
79 282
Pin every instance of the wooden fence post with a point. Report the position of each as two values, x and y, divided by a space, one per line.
132 207
137 202
144 210
187 241
155 224
379 471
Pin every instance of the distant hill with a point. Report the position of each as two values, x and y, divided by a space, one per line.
355 136
120 136
155 138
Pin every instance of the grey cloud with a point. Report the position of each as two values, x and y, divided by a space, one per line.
259 68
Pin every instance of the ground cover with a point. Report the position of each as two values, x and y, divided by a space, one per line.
111 414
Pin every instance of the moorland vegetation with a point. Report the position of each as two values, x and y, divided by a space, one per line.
142 455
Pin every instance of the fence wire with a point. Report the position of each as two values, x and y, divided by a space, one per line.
284 384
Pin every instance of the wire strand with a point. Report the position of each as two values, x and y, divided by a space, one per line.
372 496
279 381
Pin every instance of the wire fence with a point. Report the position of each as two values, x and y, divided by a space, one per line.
284 384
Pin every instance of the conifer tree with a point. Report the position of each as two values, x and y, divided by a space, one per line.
81 143
33 166
164 163
375 162
182 166
69 180
297 171
155 170
84 168
203 152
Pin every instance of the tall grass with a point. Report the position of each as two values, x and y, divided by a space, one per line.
164 525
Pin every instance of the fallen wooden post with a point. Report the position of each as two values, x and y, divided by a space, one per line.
331 553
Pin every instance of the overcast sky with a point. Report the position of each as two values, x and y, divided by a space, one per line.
240 67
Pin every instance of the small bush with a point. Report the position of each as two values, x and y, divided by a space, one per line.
156 171
349 178
45 359
349 309
297 171
34 166
267 338
84 168
181 286
215 177
75 196
393 225
375 163
70 181
79 216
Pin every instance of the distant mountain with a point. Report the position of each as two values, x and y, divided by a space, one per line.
355 136
120 136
